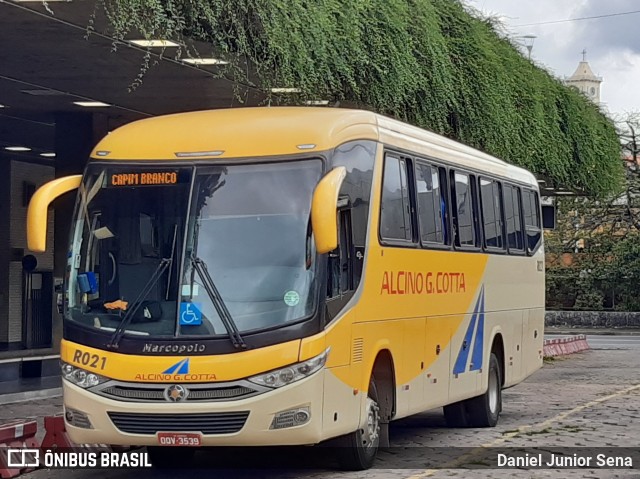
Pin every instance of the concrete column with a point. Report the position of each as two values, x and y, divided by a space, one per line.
5 247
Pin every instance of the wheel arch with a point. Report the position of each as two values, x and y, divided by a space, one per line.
383 370
497 348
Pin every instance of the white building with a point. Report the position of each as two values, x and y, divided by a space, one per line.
584 80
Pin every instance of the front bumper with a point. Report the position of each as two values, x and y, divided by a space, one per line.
255 431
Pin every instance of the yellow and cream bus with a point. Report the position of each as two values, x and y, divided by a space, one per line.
287 276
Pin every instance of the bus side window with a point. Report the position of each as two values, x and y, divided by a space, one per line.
531 210
491 201
464 210
512 216
432 204
395 214
444 204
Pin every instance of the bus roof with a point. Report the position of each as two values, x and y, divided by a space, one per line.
275 131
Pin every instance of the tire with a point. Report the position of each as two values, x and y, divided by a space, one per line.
484 410
165 457
455 415
357 451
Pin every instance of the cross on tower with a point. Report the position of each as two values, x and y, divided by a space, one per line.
584 55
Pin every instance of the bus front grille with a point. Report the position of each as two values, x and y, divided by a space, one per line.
205 423
145 394
196 392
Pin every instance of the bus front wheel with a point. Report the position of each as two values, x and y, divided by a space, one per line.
357 451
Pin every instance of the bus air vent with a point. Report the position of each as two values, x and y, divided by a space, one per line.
358 350
205 423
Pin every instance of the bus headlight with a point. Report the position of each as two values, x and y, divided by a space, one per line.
80 377
290 374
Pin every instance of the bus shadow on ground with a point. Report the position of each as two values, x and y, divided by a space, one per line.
290 460
248 461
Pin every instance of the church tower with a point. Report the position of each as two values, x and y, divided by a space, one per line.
584 80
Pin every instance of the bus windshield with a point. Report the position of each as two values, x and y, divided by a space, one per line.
189 251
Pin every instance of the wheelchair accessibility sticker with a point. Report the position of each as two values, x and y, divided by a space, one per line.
190 314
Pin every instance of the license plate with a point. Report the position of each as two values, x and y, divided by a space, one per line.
179 439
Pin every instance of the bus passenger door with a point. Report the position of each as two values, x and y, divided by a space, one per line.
342 406
340 282
340 285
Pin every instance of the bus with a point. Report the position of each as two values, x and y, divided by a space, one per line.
291 276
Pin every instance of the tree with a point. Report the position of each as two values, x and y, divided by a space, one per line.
430 62
594 255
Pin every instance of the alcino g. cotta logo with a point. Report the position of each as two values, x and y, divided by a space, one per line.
177 372
416 282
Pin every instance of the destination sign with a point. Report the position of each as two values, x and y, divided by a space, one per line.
144 178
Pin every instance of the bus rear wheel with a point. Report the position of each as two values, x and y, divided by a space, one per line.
163 457
480 411
357 451
484 410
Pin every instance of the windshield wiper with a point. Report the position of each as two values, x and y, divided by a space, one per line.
120 330
229 324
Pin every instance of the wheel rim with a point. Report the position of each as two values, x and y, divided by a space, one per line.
493 391
371 431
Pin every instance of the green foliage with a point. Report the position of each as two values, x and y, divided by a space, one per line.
605 274
428 62
601 238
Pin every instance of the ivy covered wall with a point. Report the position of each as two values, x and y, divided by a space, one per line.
428 62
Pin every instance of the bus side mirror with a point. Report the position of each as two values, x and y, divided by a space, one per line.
324 210
548 217
38 209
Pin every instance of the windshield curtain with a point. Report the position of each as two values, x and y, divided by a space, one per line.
249 226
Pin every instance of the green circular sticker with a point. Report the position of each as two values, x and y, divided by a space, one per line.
291 298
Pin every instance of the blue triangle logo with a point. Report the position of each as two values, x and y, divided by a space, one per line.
181 367
475 325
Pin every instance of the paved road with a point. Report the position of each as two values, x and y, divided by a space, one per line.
602 341
591 399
